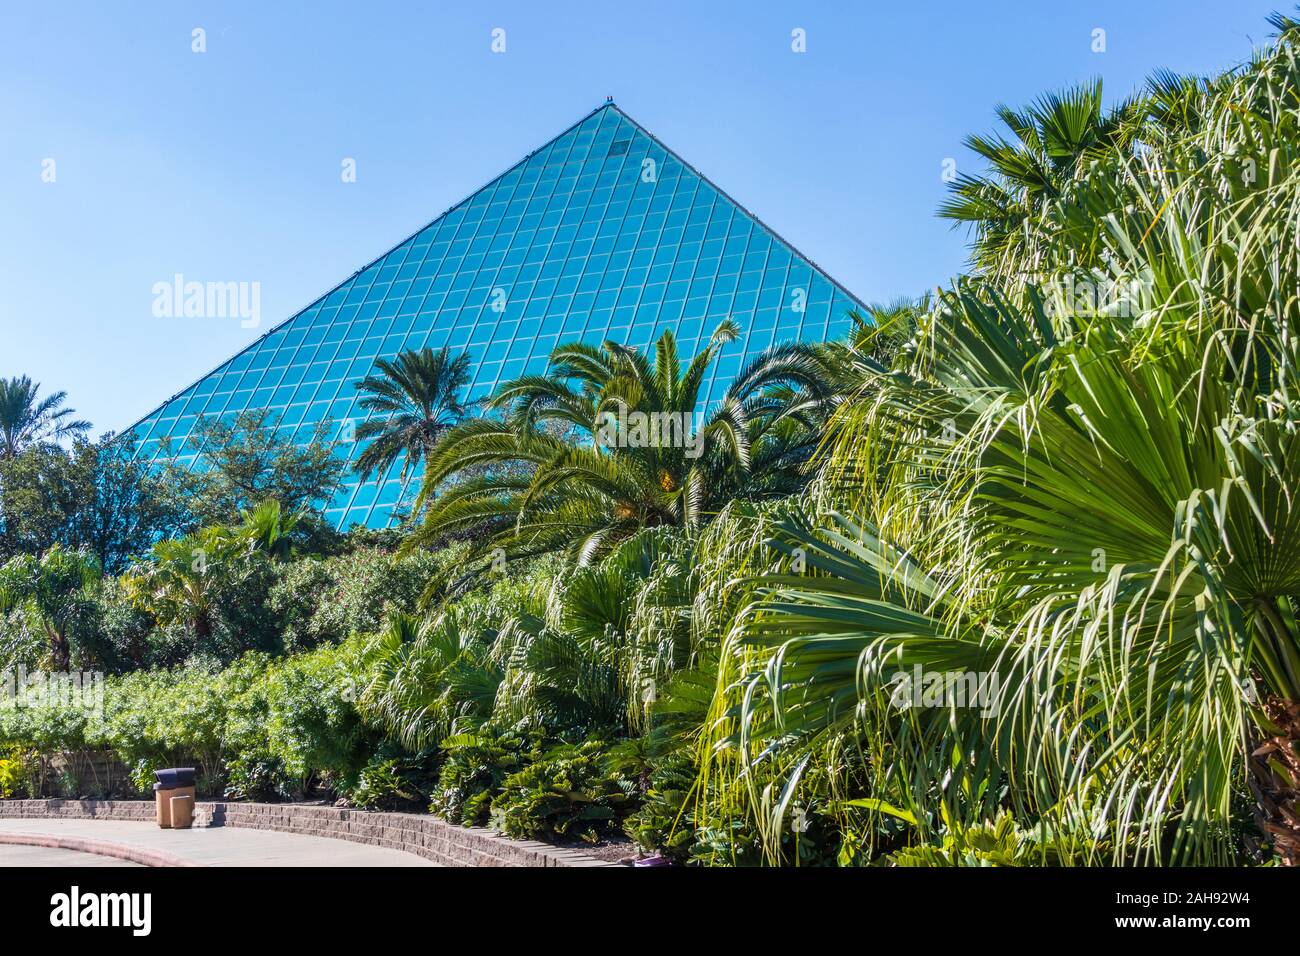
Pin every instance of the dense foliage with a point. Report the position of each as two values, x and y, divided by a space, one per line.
1010 576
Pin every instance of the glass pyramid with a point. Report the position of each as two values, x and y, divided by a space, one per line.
602 233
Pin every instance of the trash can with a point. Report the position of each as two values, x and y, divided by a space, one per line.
174 782
182 812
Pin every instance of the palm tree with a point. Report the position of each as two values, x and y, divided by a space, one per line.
268 528
1113 536
418 397
1052 142
55 588
178 580
430 679
1092 509
606 444
25 421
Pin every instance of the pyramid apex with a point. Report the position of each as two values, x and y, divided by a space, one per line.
437 294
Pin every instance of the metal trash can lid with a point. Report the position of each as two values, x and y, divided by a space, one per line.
173 777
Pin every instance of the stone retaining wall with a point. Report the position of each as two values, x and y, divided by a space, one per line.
423 835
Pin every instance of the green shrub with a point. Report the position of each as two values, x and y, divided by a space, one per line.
726 841
390 782
318 601
254 724
19 773
124 636
663 821
383 784
473 771
257 776
189 716
312 725
242 619
997 843
566 792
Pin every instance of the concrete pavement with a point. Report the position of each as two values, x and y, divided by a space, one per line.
13 855
200 846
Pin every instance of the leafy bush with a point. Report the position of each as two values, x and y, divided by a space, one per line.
124 637
382 785
19 772
312 724
318 601
566 792
393 780
257 725
998 843
473 772
257 776
663 821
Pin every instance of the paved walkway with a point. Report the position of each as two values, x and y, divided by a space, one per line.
206 846
13 855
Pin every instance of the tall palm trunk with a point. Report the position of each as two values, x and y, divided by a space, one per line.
1275 779
59 650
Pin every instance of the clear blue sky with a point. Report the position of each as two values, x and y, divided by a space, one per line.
225 166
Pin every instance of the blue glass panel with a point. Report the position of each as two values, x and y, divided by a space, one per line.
583 241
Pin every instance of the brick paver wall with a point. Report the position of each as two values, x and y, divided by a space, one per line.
426 836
